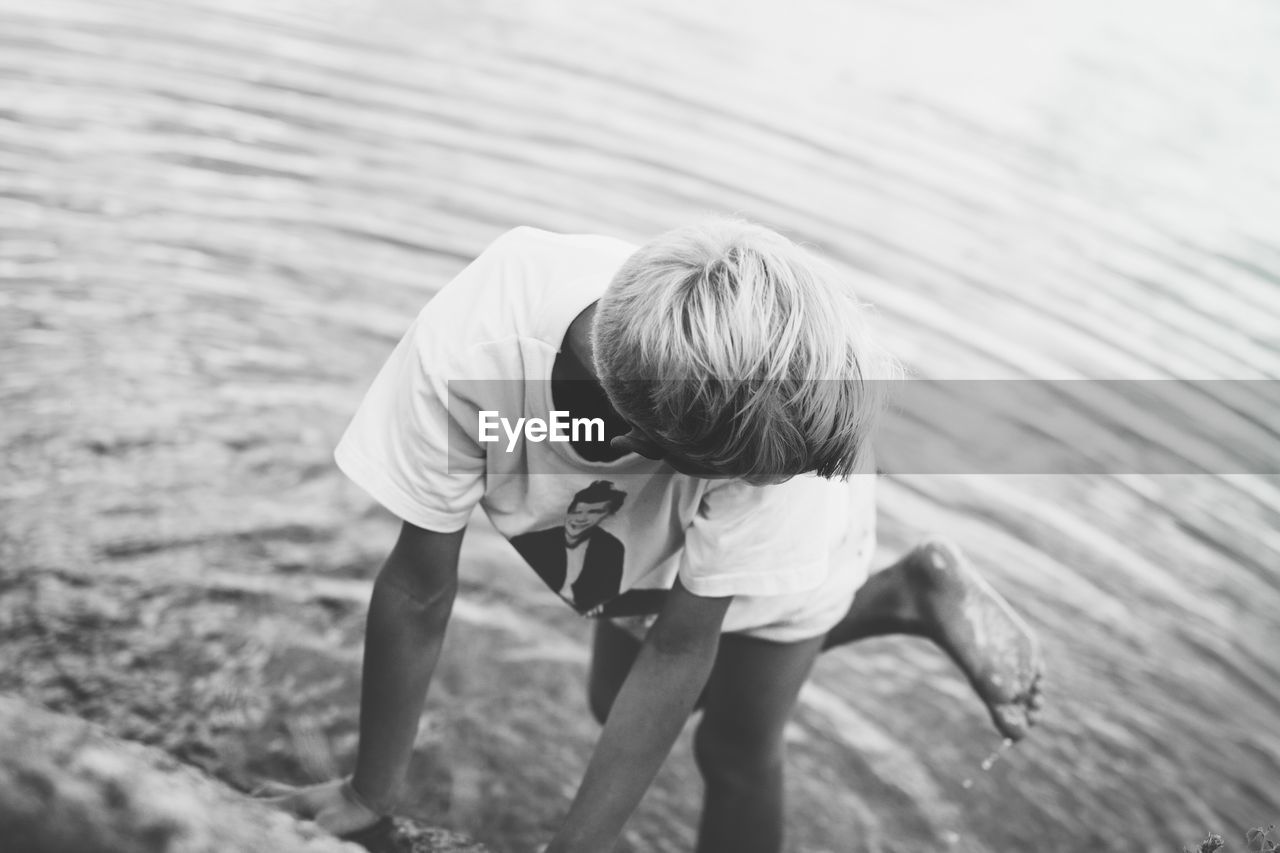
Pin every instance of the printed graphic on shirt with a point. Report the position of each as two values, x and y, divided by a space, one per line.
580 560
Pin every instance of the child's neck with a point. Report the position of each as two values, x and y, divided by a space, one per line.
576 389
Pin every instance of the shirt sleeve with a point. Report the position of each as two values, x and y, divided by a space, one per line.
405 446
762 540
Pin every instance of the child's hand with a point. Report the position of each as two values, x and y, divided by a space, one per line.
334 805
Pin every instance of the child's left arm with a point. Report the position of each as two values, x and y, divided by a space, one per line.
647 716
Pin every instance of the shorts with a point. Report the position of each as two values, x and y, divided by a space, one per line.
812 613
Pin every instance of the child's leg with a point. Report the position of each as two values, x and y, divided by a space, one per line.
935 592
739 741
738 745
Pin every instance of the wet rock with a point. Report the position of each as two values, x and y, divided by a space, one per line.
66 786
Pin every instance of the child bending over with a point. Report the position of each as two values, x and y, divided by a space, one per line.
717 523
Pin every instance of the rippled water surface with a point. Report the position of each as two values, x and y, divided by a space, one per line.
215 219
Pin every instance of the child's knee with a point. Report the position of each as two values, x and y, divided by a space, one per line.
728 757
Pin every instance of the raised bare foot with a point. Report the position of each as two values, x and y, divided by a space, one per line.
982 634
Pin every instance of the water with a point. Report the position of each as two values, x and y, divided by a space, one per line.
217 217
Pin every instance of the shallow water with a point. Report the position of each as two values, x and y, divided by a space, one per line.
216 218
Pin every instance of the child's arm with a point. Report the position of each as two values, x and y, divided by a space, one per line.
412 599
647 716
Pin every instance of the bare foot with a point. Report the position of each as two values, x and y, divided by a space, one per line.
984 636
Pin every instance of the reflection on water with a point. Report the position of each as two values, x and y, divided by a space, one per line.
217 216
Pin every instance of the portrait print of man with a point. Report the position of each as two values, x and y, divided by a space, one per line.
580 560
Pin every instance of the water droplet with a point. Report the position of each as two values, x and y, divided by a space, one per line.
951 837
991 759
966 784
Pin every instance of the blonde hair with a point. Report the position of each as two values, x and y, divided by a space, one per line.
733 346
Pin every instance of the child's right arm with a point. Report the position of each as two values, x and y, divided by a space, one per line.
412 599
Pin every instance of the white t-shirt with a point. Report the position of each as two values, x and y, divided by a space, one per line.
791 554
